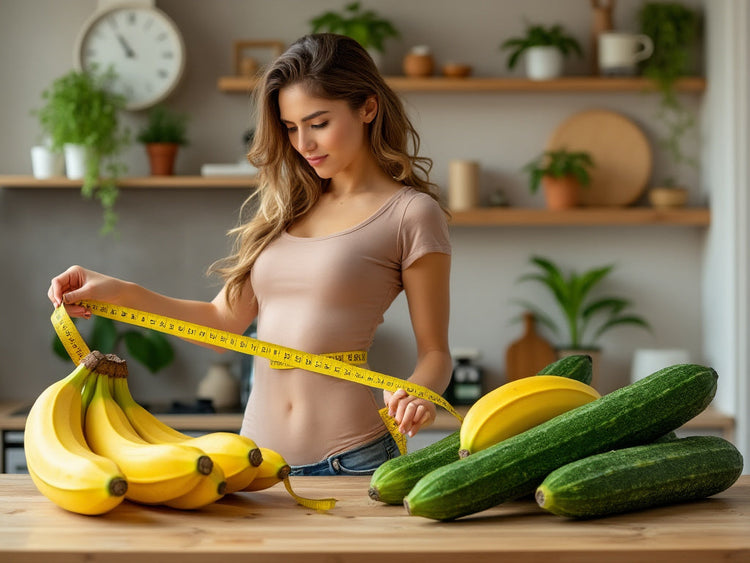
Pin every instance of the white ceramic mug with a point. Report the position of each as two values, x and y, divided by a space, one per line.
648 360
620 53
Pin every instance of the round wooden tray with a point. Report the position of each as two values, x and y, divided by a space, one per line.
620 151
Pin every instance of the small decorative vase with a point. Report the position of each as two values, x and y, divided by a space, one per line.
419 62
561 193
75 160
544 63
161 157
220 386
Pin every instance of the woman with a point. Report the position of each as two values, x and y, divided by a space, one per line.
345 218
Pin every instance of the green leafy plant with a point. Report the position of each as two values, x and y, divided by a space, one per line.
559 163
148 347
582 313
80 108
673 28
164 126
541 36
364 26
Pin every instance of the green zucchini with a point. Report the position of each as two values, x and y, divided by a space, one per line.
641 477
577 366
394 479
636 414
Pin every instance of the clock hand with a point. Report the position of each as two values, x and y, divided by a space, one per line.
128 51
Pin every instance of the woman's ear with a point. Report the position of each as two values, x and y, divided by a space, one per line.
369 109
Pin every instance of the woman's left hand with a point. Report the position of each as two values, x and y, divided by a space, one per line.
411 413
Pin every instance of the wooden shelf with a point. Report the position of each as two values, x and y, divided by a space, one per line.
582 216
241 84
480 217
149 182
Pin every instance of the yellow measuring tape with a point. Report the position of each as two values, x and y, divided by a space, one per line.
341 366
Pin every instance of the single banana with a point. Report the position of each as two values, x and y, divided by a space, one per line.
156 472
60 462
517 406
237 455
210 489
273 470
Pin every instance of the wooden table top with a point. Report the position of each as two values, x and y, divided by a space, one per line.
270 526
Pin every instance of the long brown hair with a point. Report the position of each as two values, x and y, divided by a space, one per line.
332 67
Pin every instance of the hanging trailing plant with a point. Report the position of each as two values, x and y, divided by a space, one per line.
673 28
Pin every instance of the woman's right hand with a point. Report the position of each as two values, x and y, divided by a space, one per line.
76 284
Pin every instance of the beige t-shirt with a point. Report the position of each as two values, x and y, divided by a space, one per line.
329 294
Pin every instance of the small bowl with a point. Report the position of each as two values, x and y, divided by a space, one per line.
456 70
661 197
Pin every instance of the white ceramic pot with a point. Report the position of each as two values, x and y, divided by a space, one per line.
45 163
544 63
75 161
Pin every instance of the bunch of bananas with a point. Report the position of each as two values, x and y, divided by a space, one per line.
89 445
517 406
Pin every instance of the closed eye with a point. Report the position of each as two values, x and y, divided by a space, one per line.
319 125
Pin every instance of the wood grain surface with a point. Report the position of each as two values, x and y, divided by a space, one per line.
268 526
620 151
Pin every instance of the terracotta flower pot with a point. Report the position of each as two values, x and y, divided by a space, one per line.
561 193
161 157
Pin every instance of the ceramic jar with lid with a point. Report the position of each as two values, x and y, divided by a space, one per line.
419 62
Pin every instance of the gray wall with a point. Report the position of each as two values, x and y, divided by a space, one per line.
167 238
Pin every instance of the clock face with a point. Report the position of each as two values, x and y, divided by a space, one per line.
142 45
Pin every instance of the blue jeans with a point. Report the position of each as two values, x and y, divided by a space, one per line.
362 460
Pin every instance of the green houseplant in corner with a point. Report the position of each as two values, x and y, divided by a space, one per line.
562 173
364 26
164 133
674 29
81 111
545 47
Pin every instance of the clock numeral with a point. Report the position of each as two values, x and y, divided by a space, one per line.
162 37
113 23
148 24
163 74
167 55
132 18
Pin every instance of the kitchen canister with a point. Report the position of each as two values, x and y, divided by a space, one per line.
419 62
649 360
463 185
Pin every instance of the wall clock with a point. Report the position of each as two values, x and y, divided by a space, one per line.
141 43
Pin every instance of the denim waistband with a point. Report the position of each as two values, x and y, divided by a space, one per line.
362 460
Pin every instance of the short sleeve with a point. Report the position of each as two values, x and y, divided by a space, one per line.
424 229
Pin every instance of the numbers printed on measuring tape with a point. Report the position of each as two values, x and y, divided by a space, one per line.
335 365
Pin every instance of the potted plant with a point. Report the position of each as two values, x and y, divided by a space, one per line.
81 116
562 173
673 28
148 347
365 26
545 49
164 133
585 317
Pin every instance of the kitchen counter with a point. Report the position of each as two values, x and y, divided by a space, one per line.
709 420
270 526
